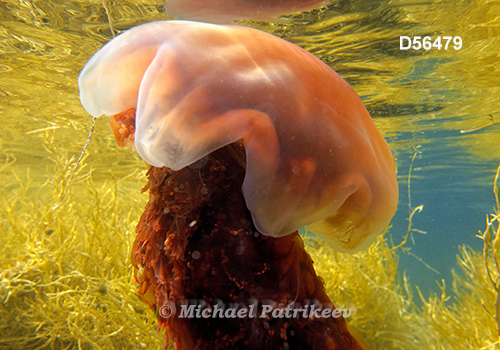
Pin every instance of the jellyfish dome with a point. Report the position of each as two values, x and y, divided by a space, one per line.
313 154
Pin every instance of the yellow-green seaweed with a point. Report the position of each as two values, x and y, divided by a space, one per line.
66 281
65 275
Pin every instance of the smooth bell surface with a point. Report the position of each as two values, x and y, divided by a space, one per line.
313 153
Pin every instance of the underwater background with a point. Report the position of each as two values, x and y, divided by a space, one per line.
65 275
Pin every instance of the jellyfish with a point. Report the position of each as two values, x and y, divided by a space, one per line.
248 138
225 11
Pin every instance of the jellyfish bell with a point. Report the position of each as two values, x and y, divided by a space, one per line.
313 154
226 11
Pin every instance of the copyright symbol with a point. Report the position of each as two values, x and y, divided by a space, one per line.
167 310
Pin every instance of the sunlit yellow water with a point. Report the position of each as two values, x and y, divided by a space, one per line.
419 99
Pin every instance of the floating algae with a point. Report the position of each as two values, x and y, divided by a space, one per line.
66 279
45 44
